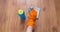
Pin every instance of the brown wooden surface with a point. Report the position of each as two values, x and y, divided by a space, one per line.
10 22
57 4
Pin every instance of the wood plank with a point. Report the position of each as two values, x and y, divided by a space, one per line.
10 21
57 4
48 17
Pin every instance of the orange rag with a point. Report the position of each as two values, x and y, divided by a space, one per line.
31 18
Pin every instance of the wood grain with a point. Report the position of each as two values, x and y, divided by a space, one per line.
57 4
10 21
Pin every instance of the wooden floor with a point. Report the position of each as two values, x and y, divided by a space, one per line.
57 4
48 20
